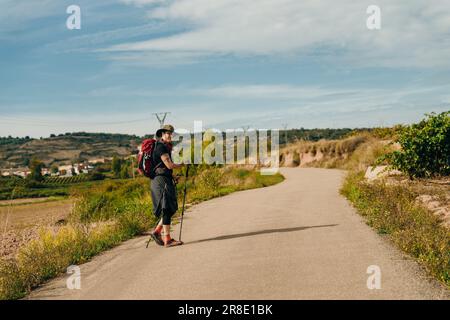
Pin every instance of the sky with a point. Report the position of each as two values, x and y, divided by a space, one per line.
229 63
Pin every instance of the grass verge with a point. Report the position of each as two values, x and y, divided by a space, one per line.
393 210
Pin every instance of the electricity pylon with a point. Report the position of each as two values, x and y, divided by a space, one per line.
162 118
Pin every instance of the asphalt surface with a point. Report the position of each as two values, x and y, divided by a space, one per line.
299 239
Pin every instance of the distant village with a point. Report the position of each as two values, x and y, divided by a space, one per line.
60 171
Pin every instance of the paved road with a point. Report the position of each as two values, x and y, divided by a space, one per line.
297 240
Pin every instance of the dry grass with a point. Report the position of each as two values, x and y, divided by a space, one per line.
357 151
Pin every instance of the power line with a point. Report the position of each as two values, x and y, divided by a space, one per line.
57 122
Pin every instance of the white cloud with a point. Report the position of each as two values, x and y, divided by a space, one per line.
277 91
281 92
414 33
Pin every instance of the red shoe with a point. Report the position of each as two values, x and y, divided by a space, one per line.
173 243
157 238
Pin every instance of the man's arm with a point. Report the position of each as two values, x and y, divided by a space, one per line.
168 162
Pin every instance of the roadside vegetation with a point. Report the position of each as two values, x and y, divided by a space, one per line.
393 210
105 215
391 205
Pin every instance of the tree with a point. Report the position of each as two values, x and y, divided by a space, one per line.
54 169
26 162
116 166
36 170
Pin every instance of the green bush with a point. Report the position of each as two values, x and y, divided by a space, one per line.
97 176
425 147
241 173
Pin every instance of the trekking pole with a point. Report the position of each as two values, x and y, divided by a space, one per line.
184 199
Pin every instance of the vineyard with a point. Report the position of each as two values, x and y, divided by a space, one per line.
66 180
15 187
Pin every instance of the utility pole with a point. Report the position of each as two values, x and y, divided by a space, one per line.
285 125
161 116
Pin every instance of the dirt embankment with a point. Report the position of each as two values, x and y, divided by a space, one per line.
433 194
324 153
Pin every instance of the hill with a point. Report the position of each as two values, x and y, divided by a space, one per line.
82 146
66 148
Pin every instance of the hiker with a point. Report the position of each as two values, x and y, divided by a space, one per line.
163 189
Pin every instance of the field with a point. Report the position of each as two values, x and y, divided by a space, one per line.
31 212
18 188
20 220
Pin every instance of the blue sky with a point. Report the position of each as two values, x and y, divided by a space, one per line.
228 63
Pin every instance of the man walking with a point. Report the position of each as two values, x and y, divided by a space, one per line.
163 190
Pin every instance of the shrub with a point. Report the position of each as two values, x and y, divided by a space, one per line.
296 158
425 148
95 176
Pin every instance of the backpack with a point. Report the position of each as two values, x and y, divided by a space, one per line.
145 158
